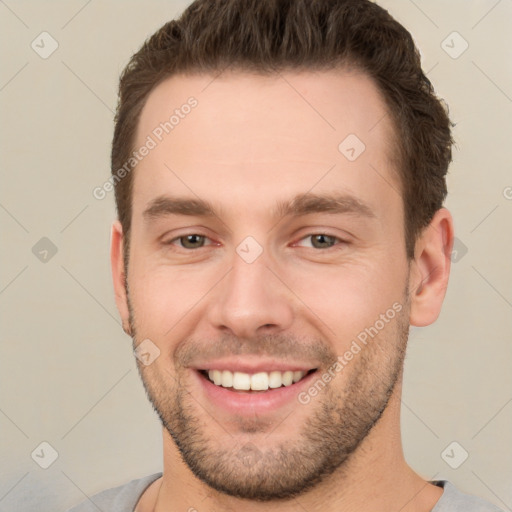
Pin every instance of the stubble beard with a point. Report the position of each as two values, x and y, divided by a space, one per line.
338 422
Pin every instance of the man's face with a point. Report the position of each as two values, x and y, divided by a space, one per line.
302 254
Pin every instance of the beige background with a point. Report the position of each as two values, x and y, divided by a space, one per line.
68 375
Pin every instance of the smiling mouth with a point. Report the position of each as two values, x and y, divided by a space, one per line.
256 382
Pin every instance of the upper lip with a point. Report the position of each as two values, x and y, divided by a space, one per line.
246 365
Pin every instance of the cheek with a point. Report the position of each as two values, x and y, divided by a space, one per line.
346 300
164 297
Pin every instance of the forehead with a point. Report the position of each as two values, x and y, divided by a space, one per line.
242 132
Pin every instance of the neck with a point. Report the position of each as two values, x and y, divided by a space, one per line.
375 477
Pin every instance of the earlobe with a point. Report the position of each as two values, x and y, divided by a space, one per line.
430 269
118 274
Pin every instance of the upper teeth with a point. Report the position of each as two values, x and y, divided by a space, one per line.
257 381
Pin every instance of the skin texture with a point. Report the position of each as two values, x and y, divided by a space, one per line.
251 143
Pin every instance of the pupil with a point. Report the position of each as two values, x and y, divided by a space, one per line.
192 240
323 240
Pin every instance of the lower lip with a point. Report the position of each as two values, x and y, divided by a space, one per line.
241 403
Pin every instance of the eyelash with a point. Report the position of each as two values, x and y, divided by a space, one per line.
337 239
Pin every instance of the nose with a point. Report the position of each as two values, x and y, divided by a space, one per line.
251 300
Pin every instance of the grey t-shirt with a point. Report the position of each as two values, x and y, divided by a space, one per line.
125 497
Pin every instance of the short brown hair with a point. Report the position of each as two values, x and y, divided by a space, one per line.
267 36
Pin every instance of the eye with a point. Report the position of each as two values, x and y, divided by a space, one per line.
192 241
320 241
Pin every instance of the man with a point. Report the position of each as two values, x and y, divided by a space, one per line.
279 168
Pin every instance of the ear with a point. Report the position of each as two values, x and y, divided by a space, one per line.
430 269
119 273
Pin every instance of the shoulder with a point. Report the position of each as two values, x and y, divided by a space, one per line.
117 499
454 500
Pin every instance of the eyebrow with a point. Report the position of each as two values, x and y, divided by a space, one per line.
165 205
302 204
